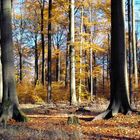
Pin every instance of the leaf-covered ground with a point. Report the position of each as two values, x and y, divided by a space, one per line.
49 122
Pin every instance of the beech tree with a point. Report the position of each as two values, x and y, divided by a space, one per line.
135 69
7 58
42 5
0 62
73 99
1 88
49 50
119 100
130 49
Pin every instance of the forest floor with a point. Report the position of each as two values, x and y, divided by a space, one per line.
50 122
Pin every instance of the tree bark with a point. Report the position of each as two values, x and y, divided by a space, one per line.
73 99
1 86
91 58
49 51
58 65
42 42
95 78
135 69
119 101
20 64
103 74
81 55
130 50
36 60
67 64
7 58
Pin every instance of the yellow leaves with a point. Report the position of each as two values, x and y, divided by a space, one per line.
86 45
97 48
96 71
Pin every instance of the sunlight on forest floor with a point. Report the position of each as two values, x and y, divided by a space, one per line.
49 122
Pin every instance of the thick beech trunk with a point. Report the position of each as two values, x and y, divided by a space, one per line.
119 82
7 57
119 101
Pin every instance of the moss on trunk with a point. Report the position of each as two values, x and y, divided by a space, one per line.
9 111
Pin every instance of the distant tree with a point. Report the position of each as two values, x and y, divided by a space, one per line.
130 48
119 100
36 59
49 51
42 5
81 54
7 57
91 57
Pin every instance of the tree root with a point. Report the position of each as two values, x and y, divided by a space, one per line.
105 115
18 115
111 113
10 111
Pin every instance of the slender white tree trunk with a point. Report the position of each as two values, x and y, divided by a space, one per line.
81 53
91 58
73 100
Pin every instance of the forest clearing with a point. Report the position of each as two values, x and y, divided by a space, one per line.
51 122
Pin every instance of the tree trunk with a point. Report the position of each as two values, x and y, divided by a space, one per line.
73 99
87 68
58 63
1 85
94 79
108 59
81 55
20 63
36 60
119 101
103 74
49 51
130 50
67 64
42 42
7 57
20 46
135 69
91 59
